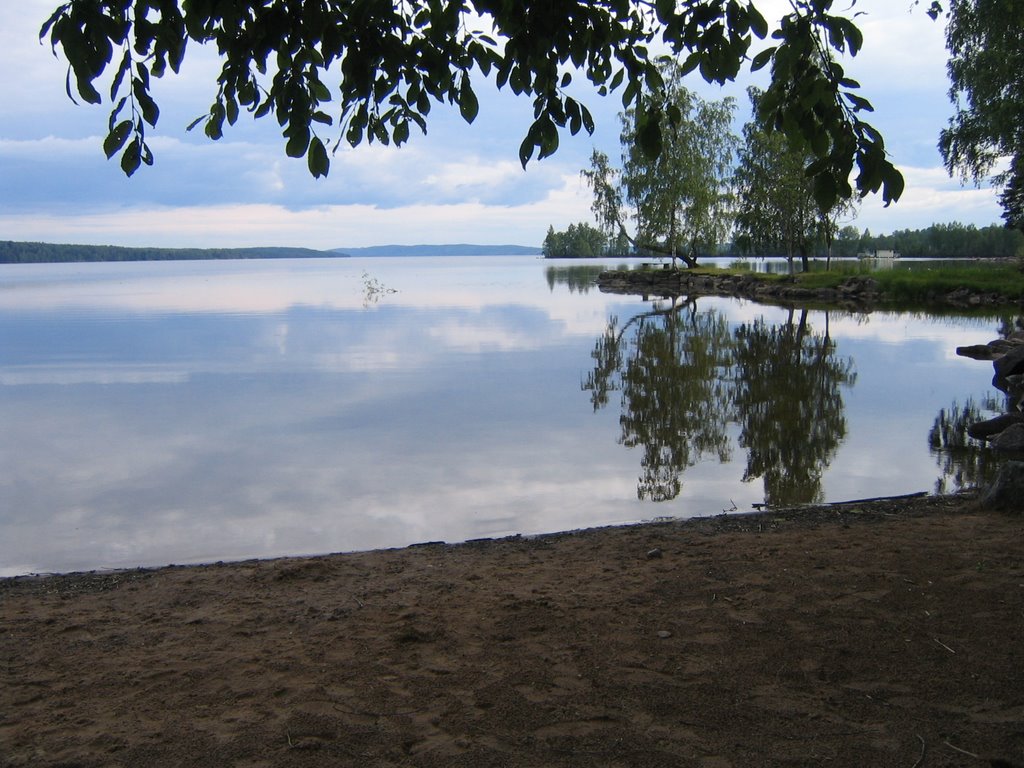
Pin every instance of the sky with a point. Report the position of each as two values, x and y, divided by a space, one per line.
458 184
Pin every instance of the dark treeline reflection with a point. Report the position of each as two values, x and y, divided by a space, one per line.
963 461
686 377
579 278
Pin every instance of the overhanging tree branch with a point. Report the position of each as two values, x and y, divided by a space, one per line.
371 70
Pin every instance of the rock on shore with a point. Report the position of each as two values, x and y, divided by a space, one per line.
1004 433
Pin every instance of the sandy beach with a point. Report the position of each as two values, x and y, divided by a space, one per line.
886 633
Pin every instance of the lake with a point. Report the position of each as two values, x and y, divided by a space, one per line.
184 412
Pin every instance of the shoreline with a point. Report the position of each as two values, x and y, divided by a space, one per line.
915 504
866 634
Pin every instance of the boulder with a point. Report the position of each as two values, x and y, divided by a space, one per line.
1010 363
1010 439
977 352
1007 491
983 430
1002 346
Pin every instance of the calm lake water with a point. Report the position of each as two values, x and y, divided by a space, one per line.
188 412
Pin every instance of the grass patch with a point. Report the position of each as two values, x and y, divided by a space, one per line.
907 282
921 284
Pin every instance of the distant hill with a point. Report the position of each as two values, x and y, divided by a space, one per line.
460 249
12 252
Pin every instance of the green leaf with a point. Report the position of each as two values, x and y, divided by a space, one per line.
820 143
116 111
298 140
526 150
354 134
317 160
825 191
401 133
629 95
757 22
115 85
854 37
588 120
150 111
131 159
549 141
690 63
761 59
214 127
87 92
892 184
321 91
177 52
649 136
116 138
860 104
468 104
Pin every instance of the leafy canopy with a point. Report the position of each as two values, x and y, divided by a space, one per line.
371 70
985 39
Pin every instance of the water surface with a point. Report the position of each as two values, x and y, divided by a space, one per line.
186 412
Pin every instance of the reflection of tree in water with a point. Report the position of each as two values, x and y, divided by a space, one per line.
579 279
789 406
675 395
684 377
964 461
673 371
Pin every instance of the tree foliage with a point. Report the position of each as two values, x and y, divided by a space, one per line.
777 210
678 200
775 207
986 46
372 70
578 241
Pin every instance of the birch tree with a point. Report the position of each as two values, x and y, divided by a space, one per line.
676 202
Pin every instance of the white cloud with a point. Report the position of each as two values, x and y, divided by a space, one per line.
325 227
473 176
930 197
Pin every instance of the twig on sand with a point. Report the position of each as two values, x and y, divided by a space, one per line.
962 751
920 760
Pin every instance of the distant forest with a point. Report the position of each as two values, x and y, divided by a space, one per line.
939 241
12 252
